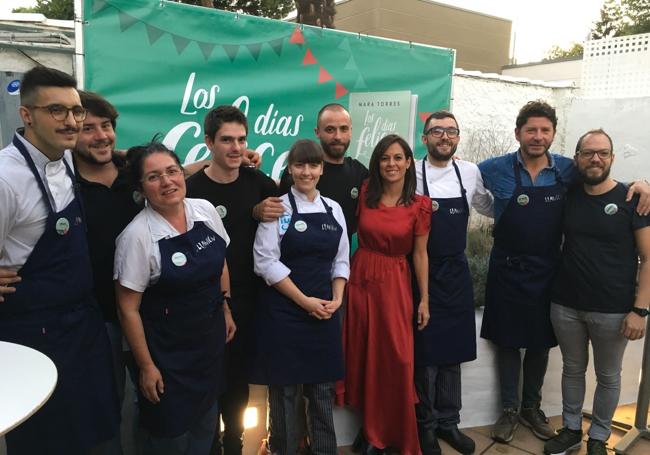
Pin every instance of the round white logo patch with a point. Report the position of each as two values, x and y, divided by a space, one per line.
222 211
179 259
434 205
62 226
300 226
611 209
354 193
523 199
137 197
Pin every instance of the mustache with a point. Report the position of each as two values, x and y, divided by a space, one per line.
68 129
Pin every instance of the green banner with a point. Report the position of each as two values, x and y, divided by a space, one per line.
164 65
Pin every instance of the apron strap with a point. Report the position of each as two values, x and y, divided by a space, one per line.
292 201
463 191
30 163
425 185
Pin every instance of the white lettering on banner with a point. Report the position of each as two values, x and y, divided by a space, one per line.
373 131
269 123
198 152
204 243
202 99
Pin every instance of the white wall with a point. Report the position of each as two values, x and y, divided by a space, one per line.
565 70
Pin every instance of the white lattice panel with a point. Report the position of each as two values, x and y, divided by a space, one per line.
617 67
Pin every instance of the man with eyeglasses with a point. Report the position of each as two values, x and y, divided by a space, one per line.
51 308
450 337
594 298
243 196
529 188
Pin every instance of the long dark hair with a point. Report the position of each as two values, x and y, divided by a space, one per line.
375 182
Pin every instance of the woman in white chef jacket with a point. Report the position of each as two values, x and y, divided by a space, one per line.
304 259
172 291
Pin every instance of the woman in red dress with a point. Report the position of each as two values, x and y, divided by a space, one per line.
378 329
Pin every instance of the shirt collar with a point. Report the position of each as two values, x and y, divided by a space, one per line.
40 159
160 228
302 197
551 160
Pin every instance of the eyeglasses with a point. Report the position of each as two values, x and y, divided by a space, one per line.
60 112
438 131
170 172
589 154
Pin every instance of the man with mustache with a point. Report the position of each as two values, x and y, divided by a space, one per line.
529 188
594 298
52 308
452 185
342 176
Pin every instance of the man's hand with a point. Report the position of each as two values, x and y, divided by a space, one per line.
151 383
231 328
423 314
251 158
642 188
270 209
7 278
633 327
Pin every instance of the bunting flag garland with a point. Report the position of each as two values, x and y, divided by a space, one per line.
340 90
154 33
324 76
309 58
180 43
297 37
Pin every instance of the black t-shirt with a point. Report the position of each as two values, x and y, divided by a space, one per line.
599 256
340 182
234 202
107 211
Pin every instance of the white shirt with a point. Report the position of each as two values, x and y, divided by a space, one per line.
266 250
443 183
23 210
137 254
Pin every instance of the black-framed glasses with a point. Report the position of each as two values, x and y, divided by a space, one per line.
438 131
60 112
170 172
589 154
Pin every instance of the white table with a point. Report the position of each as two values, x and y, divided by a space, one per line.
27 379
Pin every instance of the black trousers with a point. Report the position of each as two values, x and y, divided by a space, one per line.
439 392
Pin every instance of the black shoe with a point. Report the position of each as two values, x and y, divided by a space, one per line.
428 442
372 450
459 441
360 444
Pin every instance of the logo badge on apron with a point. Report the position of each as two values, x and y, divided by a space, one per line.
611 209
523 199
354 193
434 205
222 211
300 226
62 226
179 259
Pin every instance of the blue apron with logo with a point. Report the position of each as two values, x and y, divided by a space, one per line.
185 329
523 263
289 345
450 336
54 311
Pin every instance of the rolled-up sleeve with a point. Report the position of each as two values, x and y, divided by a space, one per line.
266 252
341 264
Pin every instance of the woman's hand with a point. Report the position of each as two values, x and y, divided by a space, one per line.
423 314
151 383
231 327
315 307
333 305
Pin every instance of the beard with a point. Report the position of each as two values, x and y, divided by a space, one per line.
335 153
594 180
89 158
525 150
435 153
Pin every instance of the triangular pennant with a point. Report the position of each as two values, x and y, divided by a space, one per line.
276 45
424 116
340 90
351 64
126 21
180 43
360 83
309 58
99 5
345 45
324 76
254 49
206 49
154 33
231 50
297 37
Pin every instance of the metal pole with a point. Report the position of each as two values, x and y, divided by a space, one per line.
640 429
79 66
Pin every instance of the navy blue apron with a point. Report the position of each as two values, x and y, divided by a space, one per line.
289 345
184 325
523 263
54 311
450 336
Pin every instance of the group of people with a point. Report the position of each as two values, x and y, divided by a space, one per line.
197 286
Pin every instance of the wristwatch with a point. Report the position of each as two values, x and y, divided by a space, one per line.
643 312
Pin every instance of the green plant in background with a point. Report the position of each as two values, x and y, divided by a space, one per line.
479 244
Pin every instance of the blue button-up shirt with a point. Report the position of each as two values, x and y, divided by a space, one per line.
499 176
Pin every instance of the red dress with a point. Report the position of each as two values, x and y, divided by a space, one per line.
378 327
